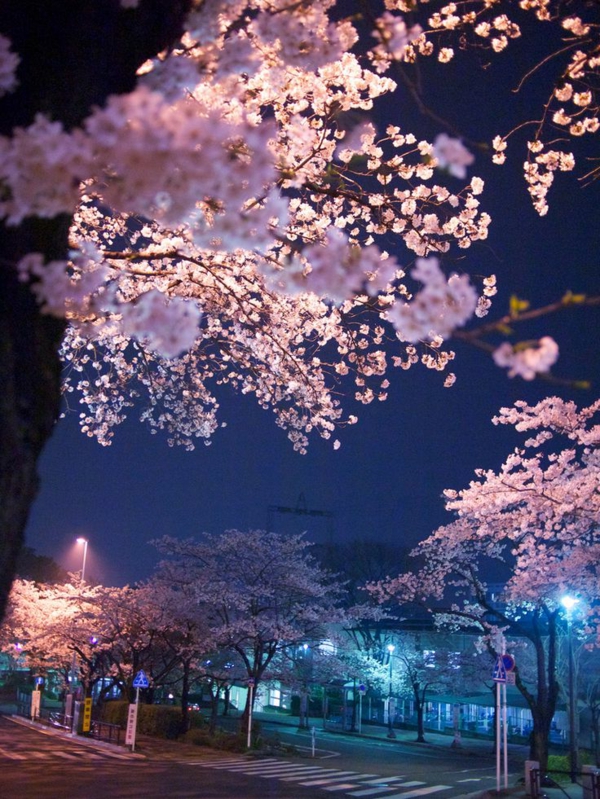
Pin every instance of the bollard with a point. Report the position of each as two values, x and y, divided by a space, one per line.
590 779
532 779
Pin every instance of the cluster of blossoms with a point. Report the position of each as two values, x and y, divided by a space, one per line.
527 362
538 514
244 234
481 24
252 219
438 308
451 154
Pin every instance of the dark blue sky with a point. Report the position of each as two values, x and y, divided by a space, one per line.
386 480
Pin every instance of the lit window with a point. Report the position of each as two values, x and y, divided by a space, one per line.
429 658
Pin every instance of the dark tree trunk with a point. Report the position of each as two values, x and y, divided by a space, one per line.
542 705
420 706
73 55
214 707
29 390
185 697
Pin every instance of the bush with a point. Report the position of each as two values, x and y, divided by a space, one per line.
562 763
115 712
160 721
227 741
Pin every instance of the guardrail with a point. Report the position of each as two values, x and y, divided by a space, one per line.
103 731
588 778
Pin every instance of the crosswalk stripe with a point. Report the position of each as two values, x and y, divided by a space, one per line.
307 773
413 784
340 775
420 792
273 772
374 791
345 786
12 755
384 780
249 768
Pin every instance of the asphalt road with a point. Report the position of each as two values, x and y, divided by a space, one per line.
34 765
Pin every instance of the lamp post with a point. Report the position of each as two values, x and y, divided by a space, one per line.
391 733
569 602
83 541
69 700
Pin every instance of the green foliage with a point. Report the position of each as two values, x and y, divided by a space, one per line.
160 721
227 741
562 763
16 679
115 712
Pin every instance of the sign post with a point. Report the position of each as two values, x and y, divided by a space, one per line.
140 681
361 692
36 701
503 667
87 714
251 684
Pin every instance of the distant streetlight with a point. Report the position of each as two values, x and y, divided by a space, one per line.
83 541
70 697
568 603
391 733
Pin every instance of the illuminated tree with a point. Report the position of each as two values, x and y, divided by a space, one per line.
538 517
260 593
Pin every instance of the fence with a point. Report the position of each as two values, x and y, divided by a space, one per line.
100 730
103 731
589 776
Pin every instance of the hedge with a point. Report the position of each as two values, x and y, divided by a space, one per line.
160 721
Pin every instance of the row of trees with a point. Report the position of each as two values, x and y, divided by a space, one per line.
237 607
233 608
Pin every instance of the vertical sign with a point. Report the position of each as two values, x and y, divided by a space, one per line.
131 725
87 714
36 700
140 681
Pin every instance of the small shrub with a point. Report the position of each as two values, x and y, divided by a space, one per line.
220 739
160 721
562 763
115 712
198 737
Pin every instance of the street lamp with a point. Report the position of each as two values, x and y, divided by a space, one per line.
83 541
71 694
569 602
391 733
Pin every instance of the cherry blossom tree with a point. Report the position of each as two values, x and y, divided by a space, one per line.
187 201
55 627
261 593
537 517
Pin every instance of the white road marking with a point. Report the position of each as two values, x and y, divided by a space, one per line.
420 792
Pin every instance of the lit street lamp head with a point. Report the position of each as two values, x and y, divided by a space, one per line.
83 541
568 602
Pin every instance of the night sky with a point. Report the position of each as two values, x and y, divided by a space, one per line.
385 481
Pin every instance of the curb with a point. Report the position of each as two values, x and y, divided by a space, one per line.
92 743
